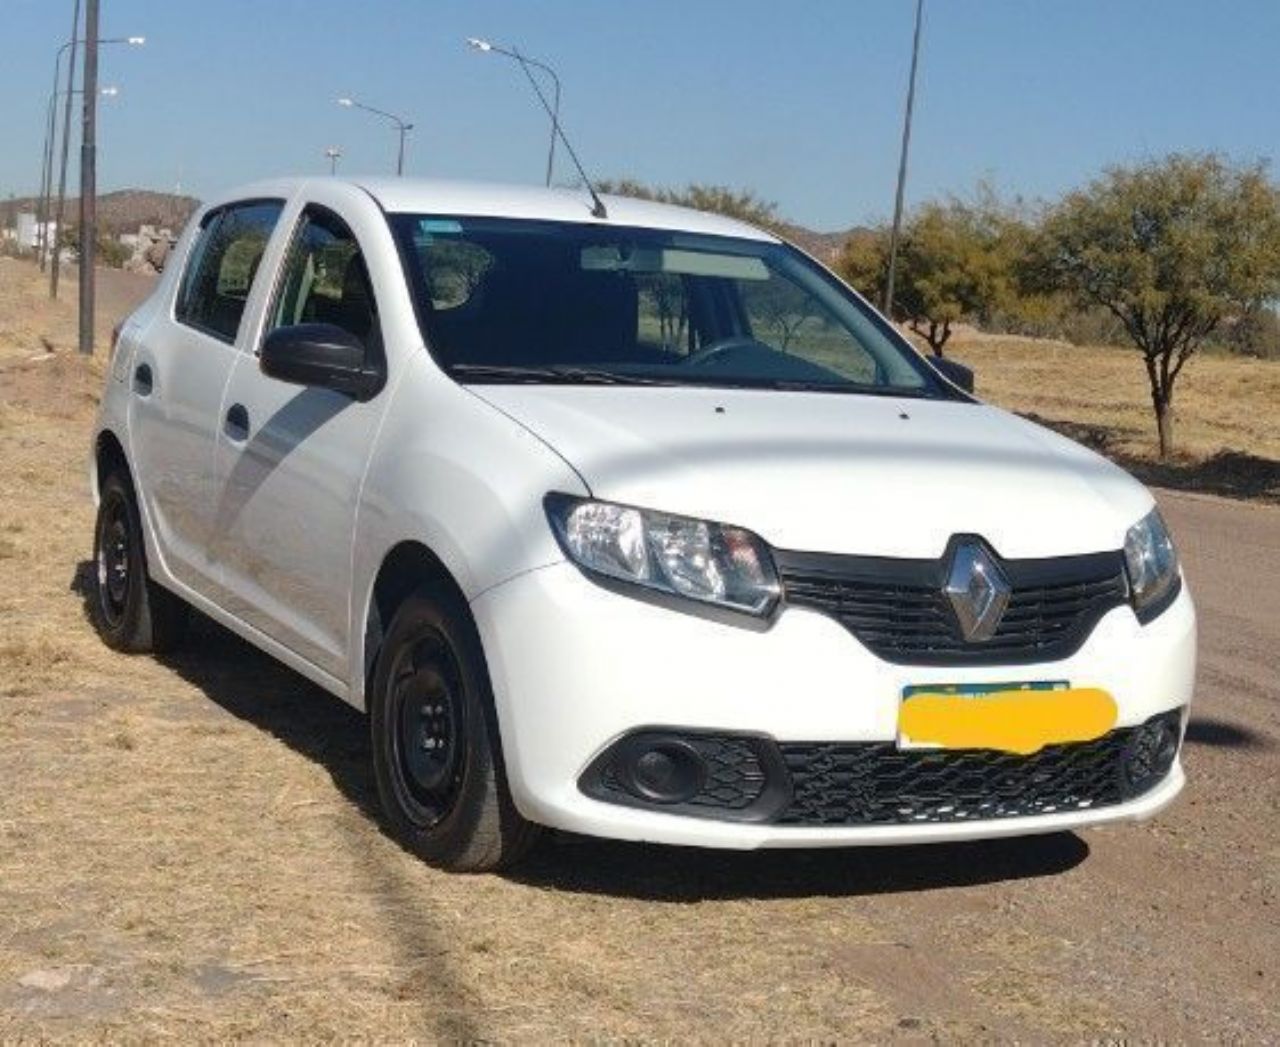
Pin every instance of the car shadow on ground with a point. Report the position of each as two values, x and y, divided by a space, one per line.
1224 735
686 874
253 687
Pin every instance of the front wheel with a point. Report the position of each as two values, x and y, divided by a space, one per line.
130 612
436 751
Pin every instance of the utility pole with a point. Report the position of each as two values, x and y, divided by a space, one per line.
89 176
55 264
902 168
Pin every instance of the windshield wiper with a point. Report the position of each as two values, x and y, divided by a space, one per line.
511 373
852 388
800 385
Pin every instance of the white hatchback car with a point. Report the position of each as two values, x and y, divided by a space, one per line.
637 524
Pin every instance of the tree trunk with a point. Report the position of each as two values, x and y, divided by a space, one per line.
938 335
1161 378
1164 424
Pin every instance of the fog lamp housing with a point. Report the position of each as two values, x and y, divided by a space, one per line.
1151 751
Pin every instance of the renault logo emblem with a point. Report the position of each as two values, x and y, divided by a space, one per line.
978 591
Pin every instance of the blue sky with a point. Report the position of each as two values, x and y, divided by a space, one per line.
800 101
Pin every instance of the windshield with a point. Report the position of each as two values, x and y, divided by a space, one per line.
504 300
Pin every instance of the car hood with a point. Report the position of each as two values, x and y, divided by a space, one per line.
837 473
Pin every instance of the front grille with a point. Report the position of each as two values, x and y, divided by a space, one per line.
897 608
879 784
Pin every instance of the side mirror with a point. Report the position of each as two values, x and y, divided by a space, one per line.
954 372
322 355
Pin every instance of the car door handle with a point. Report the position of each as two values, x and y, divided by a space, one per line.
143 382
236 424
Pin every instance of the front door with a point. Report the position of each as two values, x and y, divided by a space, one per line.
291 458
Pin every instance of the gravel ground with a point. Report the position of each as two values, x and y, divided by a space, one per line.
190 848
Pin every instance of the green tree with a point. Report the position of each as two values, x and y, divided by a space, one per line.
954 263
109 251
1172 248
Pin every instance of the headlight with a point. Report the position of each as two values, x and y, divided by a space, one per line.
696 559
1152 563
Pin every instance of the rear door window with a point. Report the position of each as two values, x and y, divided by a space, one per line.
223 265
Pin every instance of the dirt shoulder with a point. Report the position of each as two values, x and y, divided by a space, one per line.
190 848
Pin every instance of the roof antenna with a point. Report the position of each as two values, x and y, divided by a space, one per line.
597 209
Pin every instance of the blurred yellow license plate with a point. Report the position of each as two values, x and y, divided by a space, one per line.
1012 717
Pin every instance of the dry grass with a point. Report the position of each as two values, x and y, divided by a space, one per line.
1227 408
189 849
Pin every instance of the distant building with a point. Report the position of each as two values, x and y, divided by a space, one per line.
28 231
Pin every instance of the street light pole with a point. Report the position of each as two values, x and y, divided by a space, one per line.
525 61
902 168
62 183
401 125
55 251
333 153
132 41
46 175
46 167
89 176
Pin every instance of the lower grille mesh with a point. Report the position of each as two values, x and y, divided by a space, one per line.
877 783
752 778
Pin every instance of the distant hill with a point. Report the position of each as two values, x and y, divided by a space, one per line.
825 247
121 211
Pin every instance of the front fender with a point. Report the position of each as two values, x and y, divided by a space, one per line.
460 477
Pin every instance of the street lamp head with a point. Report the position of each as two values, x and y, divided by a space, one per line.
136 41
479 44
110 92
346 102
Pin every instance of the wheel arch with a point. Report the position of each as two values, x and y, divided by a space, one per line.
108 457
406 567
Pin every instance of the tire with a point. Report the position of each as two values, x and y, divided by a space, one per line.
130 612
437 755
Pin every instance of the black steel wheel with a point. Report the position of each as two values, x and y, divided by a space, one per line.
436 749
111 559
430 726
130 612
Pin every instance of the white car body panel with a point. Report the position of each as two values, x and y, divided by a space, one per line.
281 537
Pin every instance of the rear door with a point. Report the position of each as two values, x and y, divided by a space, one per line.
291 458
179 374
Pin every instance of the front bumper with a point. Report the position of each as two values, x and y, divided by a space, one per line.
575 667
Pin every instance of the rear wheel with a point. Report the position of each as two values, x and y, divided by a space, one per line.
130 612
436 751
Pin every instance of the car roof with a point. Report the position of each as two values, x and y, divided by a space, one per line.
498 200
